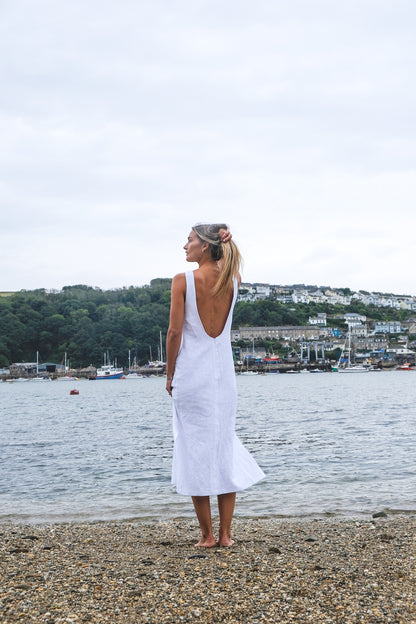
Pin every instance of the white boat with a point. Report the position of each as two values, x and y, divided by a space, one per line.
351 368
133 375
354 368
67 377
39 378
108 370
157 363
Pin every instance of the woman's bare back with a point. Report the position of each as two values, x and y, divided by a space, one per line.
213 311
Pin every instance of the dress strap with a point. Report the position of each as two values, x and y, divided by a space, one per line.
190 284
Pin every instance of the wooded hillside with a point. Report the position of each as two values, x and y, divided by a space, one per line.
86 322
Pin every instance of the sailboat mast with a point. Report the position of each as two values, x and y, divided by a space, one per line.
349 345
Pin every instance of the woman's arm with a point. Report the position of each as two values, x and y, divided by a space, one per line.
174 336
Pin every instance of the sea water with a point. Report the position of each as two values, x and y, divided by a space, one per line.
330 444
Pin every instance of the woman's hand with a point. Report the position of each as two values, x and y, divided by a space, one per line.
225 235
169 386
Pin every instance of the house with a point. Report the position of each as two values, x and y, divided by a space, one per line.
388 327
22 369
319 319
300 296
285 332
253 292
358 330
352 318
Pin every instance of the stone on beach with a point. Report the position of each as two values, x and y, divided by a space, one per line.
330 571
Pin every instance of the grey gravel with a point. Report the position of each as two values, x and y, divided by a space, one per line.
317 571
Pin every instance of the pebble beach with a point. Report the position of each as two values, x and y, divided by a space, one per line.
323 570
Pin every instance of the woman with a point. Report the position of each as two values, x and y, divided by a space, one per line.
208 458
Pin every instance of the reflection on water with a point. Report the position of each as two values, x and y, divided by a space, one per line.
329 444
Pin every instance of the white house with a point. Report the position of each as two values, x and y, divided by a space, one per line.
319 319
352 319
388 327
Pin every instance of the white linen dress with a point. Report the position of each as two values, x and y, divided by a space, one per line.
208 458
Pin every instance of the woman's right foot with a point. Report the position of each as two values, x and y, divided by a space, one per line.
208 542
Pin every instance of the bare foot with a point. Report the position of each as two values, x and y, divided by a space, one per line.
226 541
206 543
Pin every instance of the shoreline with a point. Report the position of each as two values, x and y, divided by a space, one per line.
188 516
333 570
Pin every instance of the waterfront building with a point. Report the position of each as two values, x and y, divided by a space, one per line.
284 332
22 369
371 343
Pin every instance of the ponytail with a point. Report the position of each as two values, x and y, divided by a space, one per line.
228 253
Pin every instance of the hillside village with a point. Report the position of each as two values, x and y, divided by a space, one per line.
371 339
296 323
322 294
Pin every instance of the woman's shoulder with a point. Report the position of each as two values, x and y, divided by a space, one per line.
179 280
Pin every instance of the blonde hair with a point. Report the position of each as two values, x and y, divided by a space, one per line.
228 253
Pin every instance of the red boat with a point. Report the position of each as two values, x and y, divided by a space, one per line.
405 366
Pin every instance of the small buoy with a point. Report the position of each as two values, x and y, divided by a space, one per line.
75 391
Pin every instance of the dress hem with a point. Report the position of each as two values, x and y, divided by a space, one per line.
227 491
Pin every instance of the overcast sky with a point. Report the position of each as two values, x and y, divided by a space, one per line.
125 122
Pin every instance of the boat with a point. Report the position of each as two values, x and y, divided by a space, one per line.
66 377
406 366
133 375
350 368
38 377
157 363
354 368
109 370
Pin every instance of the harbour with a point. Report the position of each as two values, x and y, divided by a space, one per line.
330 445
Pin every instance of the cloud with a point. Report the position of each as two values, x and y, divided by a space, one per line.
122 125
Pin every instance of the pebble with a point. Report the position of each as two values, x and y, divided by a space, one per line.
331 571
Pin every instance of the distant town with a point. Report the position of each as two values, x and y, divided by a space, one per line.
275 329
387 342
301 293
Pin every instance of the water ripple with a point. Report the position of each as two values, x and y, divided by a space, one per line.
329 445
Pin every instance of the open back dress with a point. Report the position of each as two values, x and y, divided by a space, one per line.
208 457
